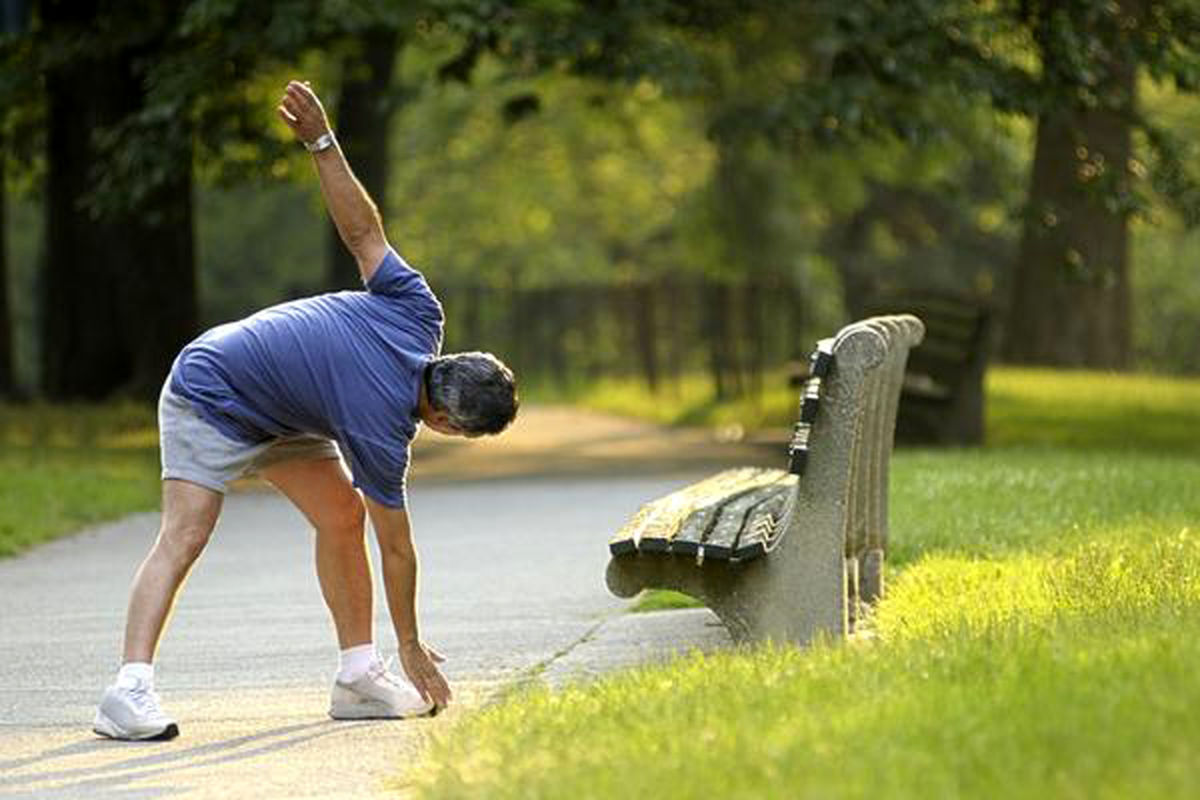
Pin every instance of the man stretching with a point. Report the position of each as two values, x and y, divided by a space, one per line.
272 393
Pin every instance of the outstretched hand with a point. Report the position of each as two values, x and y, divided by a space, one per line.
301 109
420 664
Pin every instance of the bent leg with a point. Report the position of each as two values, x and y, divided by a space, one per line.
189 515
322 491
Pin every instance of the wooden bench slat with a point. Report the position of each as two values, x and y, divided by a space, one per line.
686 513
763 524
731 515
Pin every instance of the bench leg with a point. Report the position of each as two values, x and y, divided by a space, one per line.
870 580
853 613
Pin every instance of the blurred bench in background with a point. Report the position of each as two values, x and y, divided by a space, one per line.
942 400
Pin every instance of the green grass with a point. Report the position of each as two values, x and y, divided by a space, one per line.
1065 676
1038 639
688 401
1092 410
1024 406
62 467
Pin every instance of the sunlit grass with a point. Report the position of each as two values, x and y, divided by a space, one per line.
1093 410
1063 673
1037 640
62 467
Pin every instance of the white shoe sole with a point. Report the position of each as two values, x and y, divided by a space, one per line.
374 709
104 726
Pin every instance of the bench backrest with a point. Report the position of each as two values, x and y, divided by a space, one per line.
849 440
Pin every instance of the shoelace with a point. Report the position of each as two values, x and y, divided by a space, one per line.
381 671
144 699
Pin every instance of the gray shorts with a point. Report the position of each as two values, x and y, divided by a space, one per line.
195 451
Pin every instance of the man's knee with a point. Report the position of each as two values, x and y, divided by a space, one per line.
344 517
183 541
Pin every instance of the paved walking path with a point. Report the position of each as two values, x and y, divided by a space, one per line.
511 534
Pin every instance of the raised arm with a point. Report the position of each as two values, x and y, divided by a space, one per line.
354 213
400 583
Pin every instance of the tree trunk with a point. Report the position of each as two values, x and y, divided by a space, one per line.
718 333
119 293
363 114
1071 299
755 325
645 330
158 300
7 382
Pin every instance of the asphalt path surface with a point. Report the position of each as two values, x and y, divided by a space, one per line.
512 592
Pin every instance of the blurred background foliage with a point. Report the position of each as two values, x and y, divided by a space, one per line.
605 189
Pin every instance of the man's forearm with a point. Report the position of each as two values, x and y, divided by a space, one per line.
400 585
400 582
354 213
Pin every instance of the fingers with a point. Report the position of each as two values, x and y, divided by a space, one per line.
433 686
302 94
436 688
290 104
423 690
437 657
287 117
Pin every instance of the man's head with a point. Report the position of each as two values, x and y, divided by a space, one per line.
469 394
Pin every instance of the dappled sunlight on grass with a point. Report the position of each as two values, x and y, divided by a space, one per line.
1129 571
987 501
1037 639
1035 675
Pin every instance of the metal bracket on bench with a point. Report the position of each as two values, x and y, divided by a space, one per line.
820 364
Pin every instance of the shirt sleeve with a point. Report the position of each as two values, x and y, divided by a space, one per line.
396 280
380 471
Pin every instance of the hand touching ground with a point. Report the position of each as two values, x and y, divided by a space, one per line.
420 664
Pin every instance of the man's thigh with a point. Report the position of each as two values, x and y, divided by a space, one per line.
320 488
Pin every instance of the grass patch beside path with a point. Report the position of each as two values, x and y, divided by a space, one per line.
1038 639
1042 676
63 467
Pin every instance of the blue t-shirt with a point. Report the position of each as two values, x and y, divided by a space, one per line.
346 365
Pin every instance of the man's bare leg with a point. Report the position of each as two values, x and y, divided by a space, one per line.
129 708
364 687
322 491
189 515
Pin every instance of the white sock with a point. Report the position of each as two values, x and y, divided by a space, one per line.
355 661
135 672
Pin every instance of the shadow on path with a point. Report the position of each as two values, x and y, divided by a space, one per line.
111 778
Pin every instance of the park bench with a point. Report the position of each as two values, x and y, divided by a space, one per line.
788 554
941 401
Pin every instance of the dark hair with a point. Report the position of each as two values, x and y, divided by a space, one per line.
476 390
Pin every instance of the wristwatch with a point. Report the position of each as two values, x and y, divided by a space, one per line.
322 142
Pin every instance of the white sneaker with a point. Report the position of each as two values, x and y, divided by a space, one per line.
379 694
133 712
